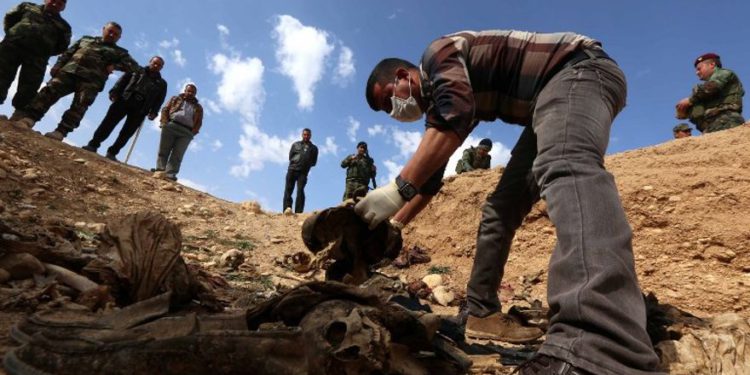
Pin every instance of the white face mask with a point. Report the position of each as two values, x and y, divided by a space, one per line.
405 110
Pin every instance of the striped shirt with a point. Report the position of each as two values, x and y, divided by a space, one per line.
483 76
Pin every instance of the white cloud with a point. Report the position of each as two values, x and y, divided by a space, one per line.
178 58
406 141
330 147
241 86
216 145
393 169
351 130
375 130
213 107
223 30
141 43
301 53
194 185
169 44
257 148
195 145
345 68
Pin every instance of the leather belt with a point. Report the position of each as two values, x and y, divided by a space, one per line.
585 54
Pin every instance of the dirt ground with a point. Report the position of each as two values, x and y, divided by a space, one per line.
687 202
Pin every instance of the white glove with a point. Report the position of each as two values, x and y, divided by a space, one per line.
380 204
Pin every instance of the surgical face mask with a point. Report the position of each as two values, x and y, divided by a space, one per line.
405 110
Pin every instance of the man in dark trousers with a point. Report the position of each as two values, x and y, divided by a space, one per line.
135 96
565 91
303 155
33 33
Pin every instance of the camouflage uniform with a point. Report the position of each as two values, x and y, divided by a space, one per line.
31 37
359 170
82 70
471 161
717 103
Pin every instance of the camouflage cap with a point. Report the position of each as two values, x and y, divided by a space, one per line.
708 56
683 127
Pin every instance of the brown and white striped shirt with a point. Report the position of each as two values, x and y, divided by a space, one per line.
483 76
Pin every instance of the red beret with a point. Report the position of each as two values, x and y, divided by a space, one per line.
708 56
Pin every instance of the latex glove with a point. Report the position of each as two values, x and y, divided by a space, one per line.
379 204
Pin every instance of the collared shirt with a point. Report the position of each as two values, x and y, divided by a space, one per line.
482 76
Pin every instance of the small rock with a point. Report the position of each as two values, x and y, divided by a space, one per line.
96 227
675 198
232 259
10 237
3 174
648 188
277 240
251 206
433 280
443 295
548 230
21 266
80 161
80 225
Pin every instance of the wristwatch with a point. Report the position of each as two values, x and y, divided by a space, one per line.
405 188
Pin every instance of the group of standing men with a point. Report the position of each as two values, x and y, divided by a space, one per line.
34 33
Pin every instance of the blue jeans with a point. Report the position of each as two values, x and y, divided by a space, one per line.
597 313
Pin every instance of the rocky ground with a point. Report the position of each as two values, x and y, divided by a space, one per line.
687 201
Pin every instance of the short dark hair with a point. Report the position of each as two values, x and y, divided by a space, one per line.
383 73
307 130
115 24
157 57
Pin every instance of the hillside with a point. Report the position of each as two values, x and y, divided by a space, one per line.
687 201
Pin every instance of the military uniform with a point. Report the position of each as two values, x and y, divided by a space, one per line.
359 170
82 70
717 103
471 161
32 35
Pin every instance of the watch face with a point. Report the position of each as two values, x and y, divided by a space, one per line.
409 191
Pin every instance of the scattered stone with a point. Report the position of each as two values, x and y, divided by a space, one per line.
21 266
675 198
433 280
277 240
721 254
36 192
232 259
252 206
96 227
548 230
30 174
80 161
443 295
10 237
648 188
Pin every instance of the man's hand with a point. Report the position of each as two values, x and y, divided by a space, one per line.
152 116
682 107
110 68
380 204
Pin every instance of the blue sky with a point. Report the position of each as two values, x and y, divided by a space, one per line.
267 69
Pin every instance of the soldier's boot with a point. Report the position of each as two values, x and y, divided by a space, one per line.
501 327
89 147
111 156
57 134
17 115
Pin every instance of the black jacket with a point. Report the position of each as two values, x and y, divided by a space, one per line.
150 87
303 156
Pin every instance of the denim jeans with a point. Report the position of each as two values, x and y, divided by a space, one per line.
597 313
175 140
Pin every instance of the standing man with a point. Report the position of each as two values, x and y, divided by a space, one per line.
33 33
303 155
135 95
360 169
83 70
682 130
716 104
565 90
181 120
475 157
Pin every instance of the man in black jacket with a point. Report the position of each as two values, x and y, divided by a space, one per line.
135 95
302 156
